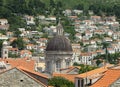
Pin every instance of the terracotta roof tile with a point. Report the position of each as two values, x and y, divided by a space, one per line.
13 49
69 69
25 51
70 77
95 71
28 64
109 77
32 71
73 67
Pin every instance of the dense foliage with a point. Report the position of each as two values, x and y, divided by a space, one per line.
112 58
100 7
34 7
60 82
19 43
14 10
84 68
1 41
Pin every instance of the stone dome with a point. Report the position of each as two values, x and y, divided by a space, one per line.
59 43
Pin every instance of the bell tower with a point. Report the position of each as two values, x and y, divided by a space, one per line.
4 50
60 30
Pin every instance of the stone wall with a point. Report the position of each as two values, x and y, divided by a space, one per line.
16 78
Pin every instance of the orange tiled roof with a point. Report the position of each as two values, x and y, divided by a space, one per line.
73 67
92 72
9 32
73 17
95 16
85 54
23 62
70 68
42 47
30 44
98 31
32 71
70 77
109 77
13 49
12 39
78 34
43 39
25 39
100 50
25 51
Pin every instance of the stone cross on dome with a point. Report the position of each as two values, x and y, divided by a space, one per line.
60 30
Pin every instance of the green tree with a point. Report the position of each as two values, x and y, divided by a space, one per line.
13 55
19 43
45 35
105 46
86 68
17 33
52 4
98 62
16 22
4 12
1 42
60 82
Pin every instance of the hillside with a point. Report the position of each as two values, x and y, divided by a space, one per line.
66 3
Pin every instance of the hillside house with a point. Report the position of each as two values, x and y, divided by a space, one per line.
25 54
29 20
86 58
4 24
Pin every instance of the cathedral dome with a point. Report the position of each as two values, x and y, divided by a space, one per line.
59 43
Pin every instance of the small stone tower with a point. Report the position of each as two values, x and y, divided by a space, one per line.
60 30
4 50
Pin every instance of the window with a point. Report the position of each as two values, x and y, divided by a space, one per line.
58 65
21 80
82 83
5 52
67 64
48 65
